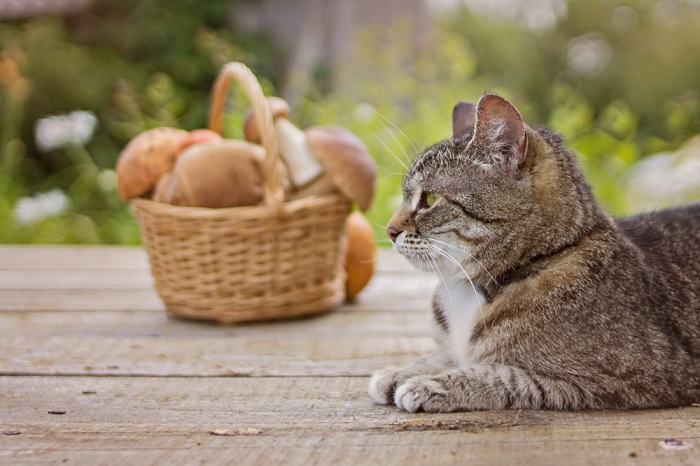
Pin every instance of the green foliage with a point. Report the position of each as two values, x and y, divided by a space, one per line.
141 64
135 65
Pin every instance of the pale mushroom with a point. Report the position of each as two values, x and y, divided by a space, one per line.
219 174
279 109
294 150
321 160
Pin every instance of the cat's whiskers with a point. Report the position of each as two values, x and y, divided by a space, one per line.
396 140
403 164
464 251
479 298
392 174
442 278
401 132
457 263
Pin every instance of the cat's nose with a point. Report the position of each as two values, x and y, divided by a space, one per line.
393 232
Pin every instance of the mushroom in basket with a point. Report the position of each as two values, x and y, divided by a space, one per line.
195 169
218 174
320 160
152 154
323 160
200 169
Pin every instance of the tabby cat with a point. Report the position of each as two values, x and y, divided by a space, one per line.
545 301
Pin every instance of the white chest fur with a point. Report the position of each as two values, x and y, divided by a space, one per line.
461 306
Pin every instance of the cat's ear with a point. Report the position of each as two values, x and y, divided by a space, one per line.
463 118
500 131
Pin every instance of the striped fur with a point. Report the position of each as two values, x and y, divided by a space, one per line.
579 311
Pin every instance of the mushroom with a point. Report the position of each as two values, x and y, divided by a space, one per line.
345 162
146 158
321 160
279 109
200 135
360 255
219 174
151 154
293 147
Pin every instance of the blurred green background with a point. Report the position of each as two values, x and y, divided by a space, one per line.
620 80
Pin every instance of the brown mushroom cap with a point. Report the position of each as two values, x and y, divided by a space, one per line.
346 161
146 158
279 108
217 174
198 136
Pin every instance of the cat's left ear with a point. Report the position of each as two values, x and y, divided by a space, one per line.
463 118
499 132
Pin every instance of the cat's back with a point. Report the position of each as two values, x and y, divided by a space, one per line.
669 241
667 236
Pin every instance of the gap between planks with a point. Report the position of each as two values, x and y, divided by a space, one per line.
19 257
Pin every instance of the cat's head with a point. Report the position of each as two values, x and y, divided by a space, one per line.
492 197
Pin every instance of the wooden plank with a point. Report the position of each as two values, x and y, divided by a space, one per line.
119 258
412 283
327 404
39 300
263 355
351 449
72 257
121 290
80 279
128 324
309 421
147 300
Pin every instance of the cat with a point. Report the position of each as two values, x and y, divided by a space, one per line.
545 301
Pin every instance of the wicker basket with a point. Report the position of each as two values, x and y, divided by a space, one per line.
277 260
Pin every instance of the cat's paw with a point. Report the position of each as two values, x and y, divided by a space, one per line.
421 392
381 386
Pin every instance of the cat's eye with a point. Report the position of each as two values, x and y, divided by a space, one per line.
429 199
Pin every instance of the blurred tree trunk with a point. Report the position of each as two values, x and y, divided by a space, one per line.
322 33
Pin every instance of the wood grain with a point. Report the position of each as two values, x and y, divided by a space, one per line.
51 290
305 448
206 357
82 331
345 321
119 258
309 421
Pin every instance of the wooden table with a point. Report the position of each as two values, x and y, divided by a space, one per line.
83 336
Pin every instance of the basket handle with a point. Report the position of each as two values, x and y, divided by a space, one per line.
274 193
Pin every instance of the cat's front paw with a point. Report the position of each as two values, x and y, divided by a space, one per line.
381 386
421 392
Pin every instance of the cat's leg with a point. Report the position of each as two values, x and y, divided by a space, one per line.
384 382
486 387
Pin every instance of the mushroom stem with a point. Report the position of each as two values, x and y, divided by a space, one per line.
301 163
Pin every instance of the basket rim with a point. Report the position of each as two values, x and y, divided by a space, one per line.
258 211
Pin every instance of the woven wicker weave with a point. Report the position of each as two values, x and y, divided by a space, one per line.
247 263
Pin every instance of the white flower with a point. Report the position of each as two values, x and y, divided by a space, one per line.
588 54
59 131
30 210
